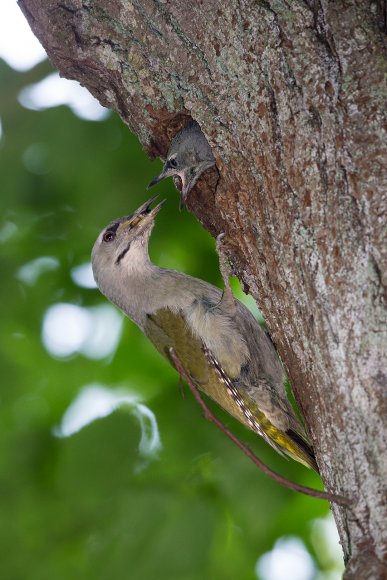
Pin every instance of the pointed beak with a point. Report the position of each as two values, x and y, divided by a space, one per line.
145 207
162 175
186 184
152 213
143 215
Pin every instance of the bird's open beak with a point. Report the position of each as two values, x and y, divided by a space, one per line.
143 215
162 175
185 184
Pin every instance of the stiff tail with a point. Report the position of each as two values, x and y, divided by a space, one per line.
285 443
304 450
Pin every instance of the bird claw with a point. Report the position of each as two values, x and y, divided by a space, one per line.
225 267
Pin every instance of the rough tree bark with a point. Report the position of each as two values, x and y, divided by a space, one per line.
290 95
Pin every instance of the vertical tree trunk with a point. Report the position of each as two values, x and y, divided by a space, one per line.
291 96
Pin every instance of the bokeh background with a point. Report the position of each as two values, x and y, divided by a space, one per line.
106 470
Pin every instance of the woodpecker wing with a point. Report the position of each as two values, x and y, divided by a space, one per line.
286 442
262 378
166 329
169 329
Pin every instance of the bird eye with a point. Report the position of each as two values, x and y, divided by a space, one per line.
108 236
173 162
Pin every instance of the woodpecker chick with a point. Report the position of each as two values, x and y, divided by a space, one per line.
189 154
218 340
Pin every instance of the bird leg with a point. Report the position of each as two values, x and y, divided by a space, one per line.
227 303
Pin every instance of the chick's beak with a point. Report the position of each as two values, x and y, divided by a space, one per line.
186 183
161 176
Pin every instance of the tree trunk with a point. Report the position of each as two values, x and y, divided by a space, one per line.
290 95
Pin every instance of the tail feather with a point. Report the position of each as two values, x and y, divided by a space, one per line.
305 447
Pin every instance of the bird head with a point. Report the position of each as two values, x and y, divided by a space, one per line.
124 243
188 156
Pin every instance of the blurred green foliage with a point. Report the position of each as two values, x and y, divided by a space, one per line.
88 506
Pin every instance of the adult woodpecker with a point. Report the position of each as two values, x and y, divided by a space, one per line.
218 340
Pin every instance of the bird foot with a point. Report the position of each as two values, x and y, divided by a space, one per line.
226 270
225 265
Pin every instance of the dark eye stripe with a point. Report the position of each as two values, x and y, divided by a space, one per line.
113 228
